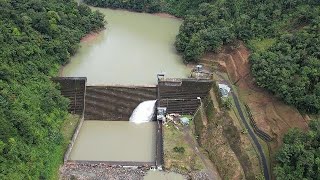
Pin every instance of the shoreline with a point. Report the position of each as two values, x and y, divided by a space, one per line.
160 13
85 39
166 15
91 35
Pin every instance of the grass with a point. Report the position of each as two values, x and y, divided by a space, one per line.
182 162
67 130
261 45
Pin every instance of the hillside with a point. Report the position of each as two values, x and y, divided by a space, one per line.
283 38
36 37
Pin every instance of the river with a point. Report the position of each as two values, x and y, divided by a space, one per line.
132 49
115 141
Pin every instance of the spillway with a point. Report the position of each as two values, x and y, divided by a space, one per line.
144 112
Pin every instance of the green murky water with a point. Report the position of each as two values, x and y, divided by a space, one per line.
130 51
115 141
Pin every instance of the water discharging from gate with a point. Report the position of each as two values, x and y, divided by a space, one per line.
143 112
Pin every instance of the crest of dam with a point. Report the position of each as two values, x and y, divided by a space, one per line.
144 112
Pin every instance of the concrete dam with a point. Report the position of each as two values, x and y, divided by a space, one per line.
104 134
115 102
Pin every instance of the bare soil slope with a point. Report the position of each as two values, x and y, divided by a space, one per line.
271 115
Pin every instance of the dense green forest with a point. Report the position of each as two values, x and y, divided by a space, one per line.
299 156
36 37
283 35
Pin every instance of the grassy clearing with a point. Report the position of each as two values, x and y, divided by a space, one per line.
183 162
67 130
261 45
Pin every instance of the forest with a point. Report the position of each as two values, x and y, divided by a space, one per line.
299 157
36 38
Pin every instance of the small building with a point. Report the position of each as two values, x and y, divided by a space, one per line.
224 90
184 121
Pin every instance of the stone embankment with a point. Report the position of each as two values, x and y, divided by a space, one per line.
100 171
103 171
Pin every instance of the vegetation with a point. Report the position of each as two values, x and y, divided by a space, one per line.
36 37
179 149
149 6
299 156
227 103
178 155
284 36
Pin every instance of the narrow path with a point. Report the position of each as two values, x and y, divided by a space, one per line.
262 156
210 168
215 101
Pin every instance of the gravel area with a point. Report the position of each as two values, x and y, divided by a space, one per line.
79 171
199 175
100 171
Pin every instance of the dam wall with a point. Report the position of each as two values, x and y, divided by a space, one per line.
182 95
115 102
73 88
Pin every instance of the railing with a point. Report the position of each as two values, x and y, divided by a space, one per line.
259 132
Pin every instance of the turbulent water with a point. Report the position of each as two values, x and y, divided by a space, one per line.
144 112
115 141
131 50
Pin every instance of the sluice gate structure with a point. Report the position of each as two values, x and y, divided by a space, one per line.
116 103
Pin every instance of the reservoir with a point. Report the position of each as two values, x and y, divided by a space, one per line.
132 49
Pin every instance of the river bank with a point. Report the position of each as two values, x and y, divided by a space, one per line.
91 36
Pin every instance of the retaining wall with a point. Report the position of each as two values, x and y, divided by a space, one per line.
180 95
73 88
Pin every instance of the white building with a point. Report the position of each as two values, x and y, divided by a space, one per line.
224 90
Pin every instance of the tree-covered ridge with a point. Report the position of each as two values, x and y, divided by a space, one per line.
291 68
149 6
299 156
36 37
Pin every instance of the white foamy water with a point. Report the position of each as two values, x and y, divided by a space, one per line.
143 112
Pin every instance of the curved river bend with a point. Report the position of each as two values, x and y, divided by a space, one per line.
130 51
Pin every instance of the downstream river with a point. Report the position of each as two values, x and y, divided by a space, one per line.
115 141
130 51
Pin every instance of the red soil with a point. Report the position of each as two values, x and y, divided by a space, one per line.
89 37
270 114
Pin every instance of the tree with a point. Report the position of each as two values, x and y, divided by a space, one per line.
299 156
